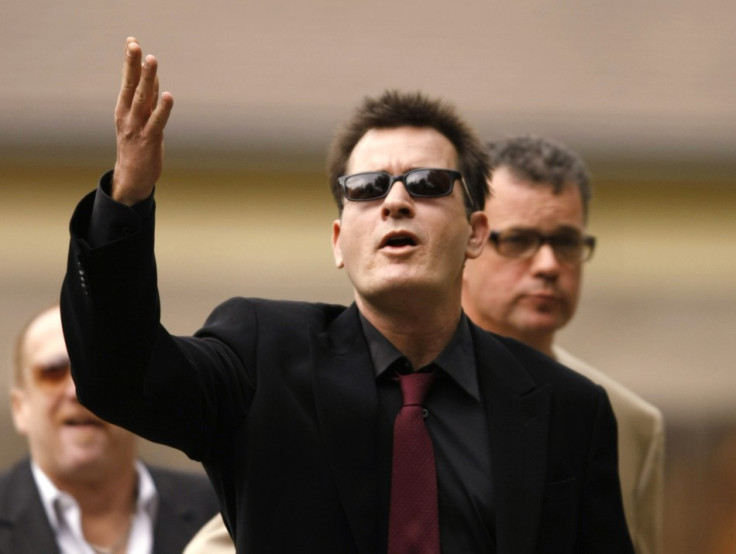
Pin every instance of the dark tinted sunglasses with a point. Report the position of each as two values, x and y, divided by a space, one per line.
52 374
419 183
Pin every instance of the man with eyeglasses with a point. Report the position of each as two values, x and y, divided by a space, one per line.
82 491
393 425
527 285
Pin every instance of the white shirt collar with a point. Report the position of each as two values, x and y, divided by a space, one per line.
64 515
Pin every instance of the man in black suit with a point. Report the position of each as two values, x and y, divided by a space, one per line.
290 405
82 491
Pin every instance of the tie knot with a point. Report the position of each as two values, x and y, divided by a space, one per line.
415 386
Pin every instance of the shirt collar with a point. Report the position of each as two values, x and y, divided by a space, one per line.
456 360
54 499
147 500
50 495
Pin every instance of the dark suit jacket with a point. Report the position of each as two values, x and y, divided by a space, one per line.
278 400
186 502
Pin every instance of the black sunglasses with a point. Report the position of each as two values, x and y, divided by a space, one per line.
420 183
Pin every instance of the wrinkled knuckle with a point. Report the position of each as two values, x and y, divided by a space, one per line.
128 135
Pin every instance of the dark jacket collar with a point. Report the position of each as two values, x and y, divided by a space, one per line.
24 527
518 416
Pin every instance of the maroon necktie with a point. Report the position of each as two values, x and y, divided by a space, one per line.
414 519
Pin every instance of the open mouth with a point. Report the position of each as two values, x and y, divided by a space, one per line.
397 240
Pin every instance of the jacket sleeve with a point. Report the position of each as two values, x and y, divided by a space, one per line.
649 490
127 368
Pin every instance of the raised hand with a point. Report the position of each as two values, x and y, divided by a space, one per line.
140 118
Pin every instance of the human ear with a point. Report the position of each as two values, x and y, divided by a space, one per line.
336 250
19 409
479 231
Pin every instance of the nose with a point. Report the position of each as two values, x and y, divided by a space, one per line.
545 263
398 202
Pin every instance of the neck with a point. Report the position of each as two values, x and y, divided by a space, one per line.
103 492
542 343
420 332
542 340
107 506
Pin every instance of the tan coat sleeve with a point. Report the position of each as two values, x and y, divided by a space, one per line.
640 453
213 538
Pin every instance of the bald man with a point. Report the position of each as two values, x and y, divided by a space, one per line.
82 490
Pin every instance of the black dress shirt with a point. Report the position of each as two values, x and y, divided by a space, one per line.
458 426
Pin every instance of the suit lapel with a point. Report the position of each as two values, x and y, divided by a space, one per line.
518 415
176 518
346 399
24 529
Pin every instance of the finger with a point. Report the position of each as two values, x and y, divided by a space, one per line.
144 93
160 115
131 72
155 93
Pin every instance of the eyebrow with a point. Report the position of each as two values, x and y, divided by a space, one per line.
558 229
